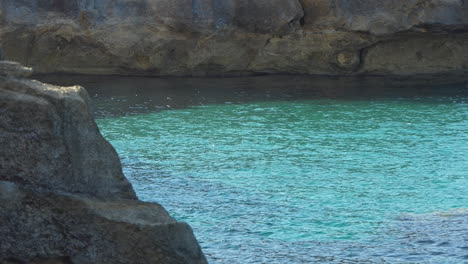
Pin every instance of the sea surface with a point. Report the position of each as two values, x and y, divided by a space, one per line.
294 169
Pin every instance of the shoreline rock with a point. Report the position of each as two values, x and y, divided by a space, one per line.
237 37
63 196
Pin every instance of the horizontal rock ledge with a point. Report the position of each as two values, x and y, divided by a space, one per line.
237 37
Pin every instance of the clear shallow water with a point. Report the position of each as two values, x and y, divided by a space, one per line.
272 170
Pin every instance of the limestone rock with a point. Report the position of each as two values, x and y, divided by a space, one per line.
63 197
14 69
49 140
385 17
233 37
38 227
183 15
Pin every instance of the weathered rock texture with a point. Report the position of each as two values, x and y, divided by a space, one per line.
63 197
219 37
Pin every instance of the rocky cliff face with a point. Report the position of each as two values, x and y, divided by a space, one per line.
222 37
63 197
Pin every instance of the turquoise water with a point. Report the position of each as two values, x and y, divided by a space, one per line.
300 176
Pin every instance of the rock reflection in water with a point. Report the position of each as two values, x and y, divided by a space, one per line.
120 95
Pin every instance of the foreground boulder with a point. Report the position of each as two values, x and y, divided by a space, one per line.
237 37
63 197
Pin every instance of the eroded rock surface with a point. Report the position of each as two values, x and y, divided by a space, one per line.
220 37
49 139
63 197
